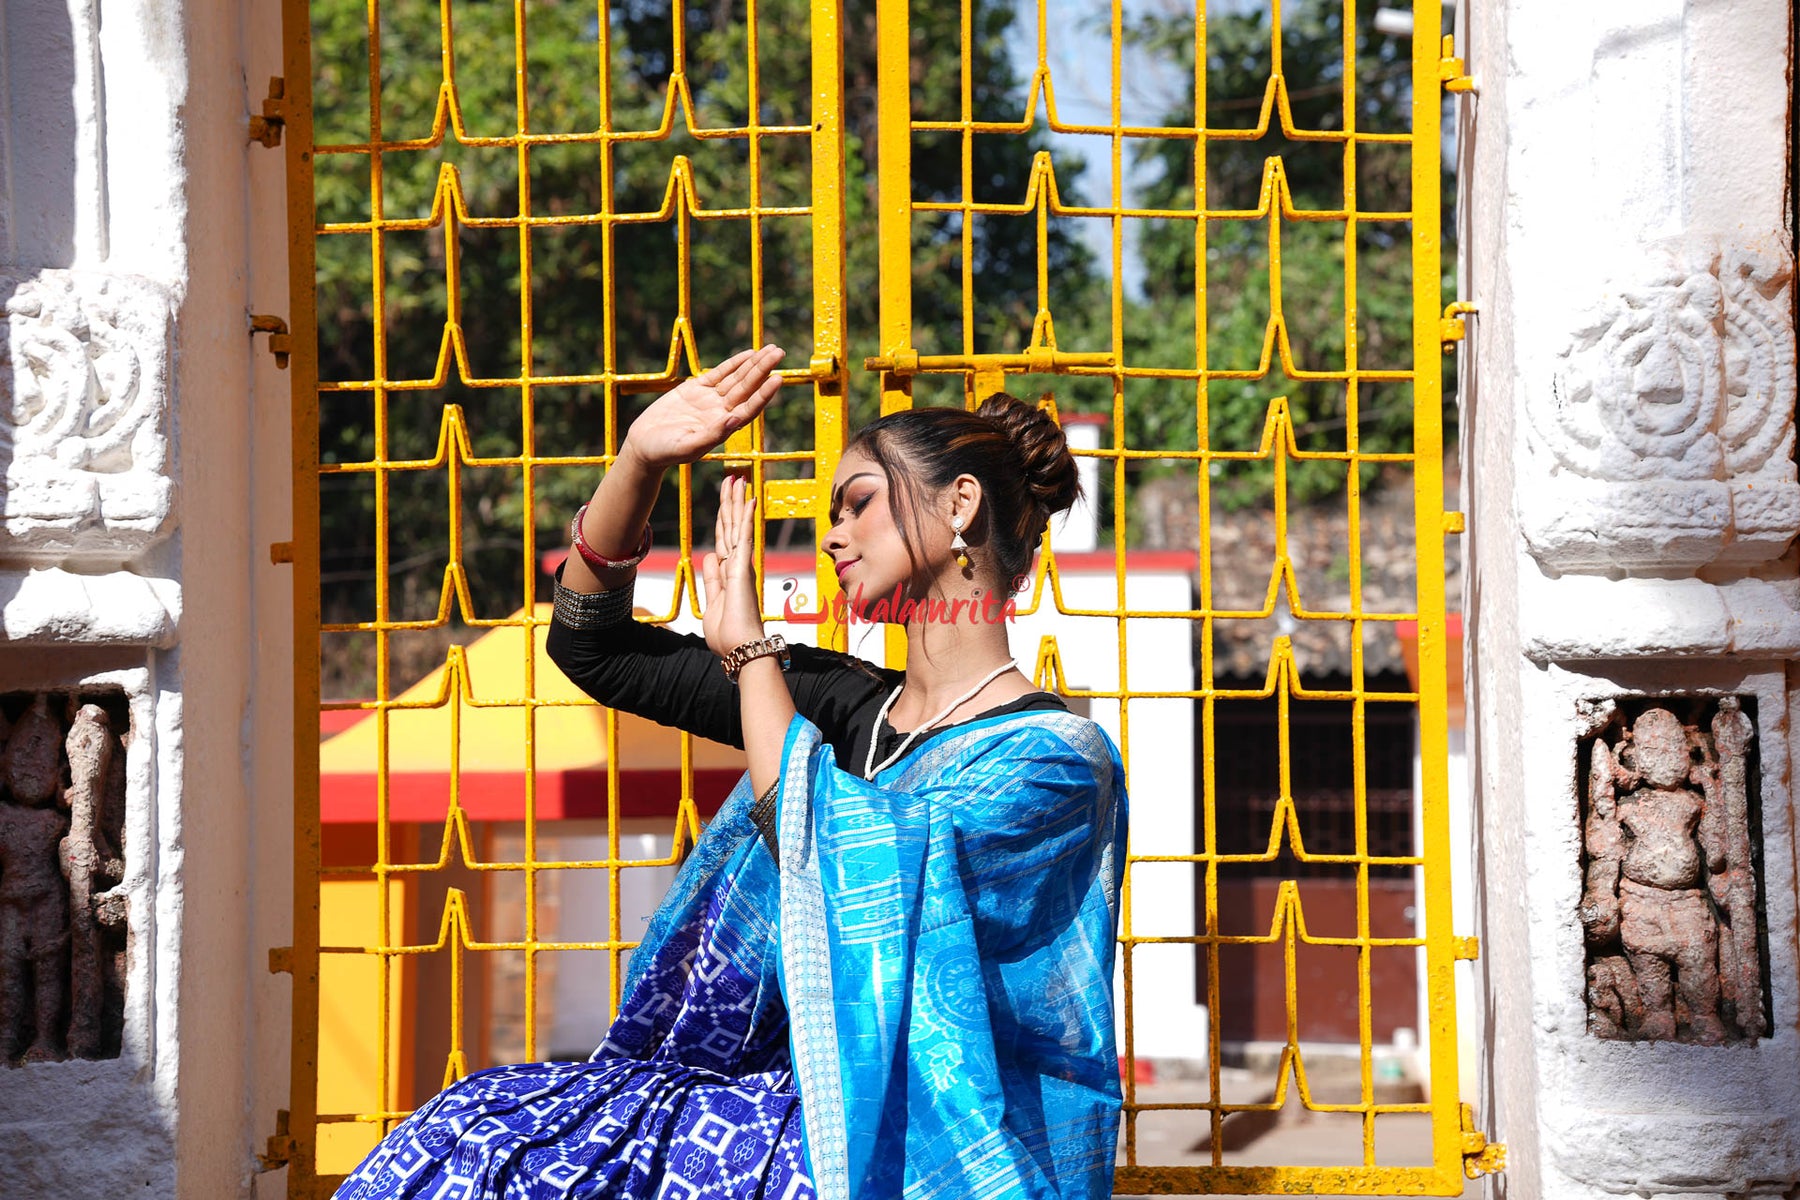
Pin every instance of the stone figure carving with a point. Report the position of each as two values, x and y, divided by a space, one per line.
83 385
1667 425
34 903
88 861
62 909
1669 904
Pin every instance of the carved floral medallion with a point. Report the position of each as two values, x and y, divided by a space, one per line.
84 364
1667 426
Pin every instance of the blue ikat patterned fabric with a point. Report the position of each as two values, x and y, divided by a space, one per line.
691 1096
947 937
916 1006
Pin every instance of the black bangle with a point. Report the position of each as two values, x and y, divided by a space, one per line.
592 610
762 815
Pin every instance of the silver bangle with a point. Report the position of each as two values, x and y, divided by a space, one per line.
592 610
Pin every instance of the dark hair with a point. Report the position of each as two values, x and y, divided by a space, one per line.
1016 450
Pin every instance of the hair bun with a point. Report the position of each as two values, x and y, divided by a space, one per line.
1043 452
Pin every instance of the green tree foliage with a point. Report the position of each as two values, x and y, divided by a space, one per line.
571 303
1313 254
573 308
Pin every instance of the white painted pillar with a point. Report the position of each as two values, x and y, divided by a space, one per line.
1628 404
143 447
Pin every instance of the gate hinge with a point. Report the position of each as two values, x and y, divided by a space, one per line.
281 958
1466 949
280 344
1453 328
267 127
280 1151
1451 71
1480 1156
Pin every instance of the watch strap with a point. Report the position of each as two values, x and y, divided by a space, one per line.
759 648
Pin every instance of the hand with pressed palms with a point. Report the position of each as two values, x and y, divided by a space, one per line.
683 425
733 613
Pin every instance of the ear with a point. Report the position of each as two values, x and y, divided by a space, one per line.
963 499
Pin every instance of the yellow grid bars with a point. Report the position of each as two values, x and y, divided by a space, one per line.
455 174
507 221
1116 353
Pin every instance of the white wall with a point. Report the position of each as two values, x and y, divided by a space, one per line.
1630 490
128 186
1158 734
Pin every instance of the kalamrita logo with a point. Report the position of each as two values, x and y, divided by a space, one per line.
898 609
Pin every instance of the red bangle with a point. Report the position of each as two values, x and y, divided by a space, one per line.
597 561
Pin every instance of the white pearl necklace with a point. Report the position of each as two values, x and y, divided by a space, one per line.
870 770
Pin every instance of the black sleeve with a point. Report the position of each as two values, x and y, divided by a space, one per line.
675 679
670 678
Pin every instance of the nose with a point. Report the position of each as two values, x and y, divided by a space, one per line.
833 541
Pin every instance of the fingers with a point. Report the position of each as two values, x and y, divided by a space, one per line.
734 532
710 577
722 523
725 369
748 410
747 407
745 534
743 383
742 363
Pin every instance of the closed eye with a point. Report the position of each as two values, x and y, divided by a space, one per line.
856 507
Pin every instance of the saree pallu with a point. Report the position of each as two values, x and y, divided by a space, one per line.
917 1004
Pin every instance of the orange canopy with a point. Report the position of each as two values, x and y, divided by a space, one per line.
471 717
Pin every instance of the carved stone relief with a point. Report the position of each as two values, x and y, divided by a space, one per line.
1670 903
1667 429
63 931
84 365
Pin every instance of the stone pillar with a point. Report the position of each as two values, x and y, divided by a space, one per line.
145 647
1634 607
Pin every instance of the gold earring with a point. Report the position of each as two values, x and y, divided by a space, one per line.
960 547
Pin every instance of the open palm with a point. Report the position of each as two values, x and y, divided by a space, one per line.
683 425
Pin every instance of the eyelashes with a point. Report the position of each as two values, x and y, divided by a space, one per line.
856 508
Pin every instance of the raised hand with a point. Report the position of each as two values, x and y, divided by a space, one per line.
683 425
733 613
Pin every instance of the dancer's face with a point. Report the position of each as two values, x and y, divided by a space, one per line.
865 541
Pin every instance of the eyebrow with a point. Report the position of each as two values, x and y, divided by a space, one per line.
837 497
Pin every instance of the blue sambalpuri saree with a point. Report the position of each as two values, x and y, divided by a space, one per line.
916 1004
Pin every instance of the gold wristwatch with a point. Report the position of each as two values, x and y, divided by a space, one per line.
775 644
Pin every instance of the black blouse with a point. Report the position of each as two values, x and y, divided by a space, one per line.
675 679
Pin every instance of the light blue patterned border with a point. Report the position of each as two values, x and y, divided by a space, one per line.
806 971
805 946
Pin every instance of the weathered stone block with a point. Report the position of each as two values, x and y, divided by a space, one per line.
1667 427
84 398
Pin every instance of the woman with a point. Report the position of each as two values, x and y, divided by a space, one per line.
886 968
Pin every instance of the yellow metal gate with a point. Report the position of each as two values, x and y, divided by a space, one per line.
390 935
